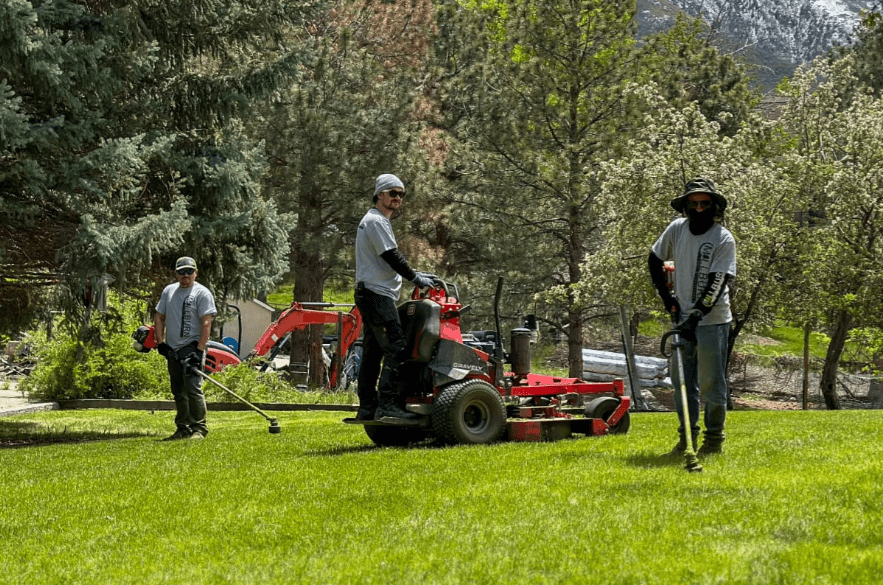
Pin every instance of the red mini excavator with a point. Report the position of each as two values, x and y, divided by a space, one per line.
297 316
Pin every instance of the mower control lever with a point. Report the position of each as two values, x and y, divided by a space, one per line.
438 284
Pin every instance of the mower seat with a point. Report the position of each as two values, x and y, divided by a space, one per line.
421 321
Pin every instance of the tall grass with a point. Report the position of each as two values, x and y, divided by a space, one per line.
796 498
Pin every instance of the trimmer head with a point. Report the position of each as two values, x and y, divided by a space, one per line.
692 464
275 429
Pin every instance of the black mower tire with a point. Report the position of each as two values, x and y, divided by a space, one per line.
470 412
603 407
394 436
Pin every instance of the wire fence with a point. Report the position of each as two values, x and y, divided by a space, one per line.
783 379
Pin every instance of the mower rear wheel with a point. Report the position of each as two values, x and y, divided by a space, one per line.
394 436
469 413
603 408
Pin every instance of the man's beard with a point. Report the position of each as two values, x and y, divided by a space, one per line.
700 221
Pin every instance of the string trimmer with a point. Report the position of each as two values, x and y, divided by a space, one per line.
691 461
274 424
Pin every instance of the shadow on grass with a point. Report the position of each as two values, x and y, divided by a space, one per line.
645 460
30 434
332 451
425 444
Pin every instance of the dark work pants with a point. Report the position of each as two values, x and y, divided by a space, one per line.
384 340
189 398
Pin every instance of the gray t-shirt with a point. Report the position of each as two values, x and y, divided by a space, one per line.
695 257
373 238
184 309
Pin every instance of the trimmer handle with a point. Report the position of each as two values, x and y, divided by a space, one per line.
669 268
675 343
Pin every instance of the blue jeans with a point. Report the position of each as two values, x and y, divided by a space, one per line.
705 375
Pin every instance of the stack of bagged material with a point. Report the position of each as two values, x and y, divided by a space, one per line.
604 366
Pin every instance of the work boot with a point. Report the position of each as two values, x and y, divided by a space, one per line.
394 411
179 434
389 399
366 412
681 446
712 444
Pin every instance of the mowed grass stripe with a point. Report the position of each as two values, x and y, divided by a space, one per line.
796 498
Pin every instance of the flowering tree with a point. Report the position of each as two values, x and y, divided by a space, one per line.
672 146
836 165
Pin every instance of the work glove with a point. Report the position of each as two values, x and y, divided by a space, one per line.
424 279
194 361
687 329
164 349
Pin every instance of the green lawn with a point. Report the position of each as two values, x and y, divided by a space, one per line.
785 340
280 298
797 498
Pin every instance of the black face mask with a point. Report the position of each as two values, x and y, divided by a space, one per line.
700 221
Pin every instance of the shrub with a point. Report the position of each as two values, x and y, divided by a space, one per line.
256 386
70 369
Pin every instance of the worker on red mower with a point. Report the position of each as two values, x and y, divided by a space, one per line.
379 271
704 255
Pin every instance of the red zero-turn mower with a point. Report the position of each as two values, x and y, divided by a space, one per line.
463 395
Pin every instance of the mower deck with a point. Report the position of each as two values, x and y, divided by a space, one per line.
389 421
543 427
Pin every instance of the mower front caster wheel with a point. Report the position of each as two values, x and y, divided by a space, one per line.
603 408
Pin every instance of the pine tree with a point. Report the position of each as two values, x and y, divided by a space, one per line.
532 103
121 145
348 119
687 67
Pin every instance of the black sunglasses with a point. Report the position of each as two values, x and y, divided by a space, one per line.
186 271
399 194
705 203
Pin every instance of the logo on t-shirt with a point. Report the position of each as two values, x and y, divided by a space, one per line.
187 316
703 267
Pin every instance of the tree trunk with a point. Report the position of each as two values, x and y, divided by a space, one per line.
576 251
828 382
308 268
575 343
575 315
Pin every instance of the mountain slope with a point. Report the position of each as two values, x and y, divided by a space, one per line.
773 36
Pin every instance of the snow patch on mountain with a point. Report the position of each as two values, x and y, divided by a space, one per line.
775 35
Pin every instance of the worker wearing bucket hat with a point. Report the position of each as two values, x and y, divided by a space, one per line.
704 256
